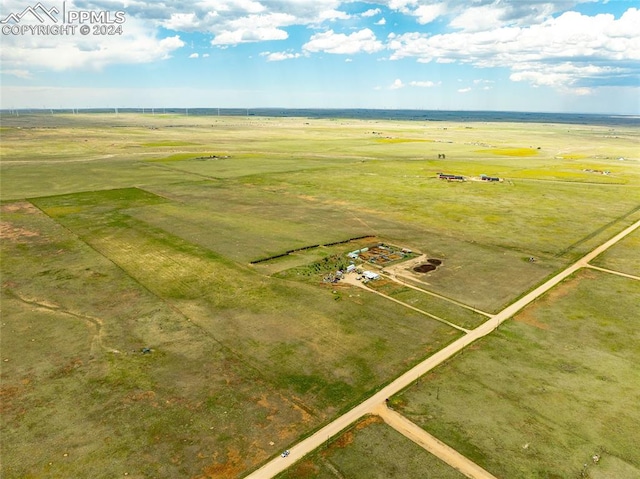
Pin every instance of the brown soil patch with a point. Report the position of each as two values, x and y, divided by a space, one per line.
15 233
344 440
424 268
305 469
306 414
272 411
347 438
559 291
139 396
67 369
368 421
528 317
19 207
292 429
7 395
434 261
233 467
11 398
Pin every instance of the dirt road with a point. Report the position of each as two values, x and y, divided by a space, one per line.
350 278
432 444
369 406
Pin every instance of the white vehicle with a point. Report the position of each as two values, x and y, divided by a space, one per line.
285 453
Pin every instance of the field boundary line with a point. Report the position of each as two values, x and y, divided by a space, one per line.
401 303
432 444
617 273
185 172
398 278
598 231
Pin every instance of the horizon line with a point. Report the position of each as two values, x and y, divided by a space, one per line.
175 109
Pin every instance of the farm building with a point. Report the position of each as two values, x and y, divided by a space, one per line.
370 275
356 253
489 178
447 177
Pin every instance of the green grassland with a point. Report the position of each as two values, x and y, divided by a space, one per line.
371 449
623 256
548 391
441 308
123 232
287 365
214 216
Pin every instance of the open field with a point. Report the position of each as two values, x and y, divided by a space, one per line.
371 449
136 231
622 257
548 391
279 364
446 310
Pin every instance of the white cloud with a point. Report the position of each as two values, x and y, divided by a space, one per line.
194 55
332 15
582 91
429 13
479 19
424 84
339 43
562 75
478 14
182 22
560 52
280 56
205 55
401 5
233 6
478 81
138 43
397 84
24 74
254 28
348 60
464 90
382 21
371 12
242 21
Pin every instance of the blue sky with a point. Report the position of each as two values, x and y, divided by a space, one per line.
516 55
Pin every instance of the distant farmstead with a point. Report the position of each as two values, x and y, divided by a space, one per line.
444 176
490 178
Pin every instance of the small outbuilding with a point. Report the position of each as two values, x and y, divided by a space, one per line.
370 275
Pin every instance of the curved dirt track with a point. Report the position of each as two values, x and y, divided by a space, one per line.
372 404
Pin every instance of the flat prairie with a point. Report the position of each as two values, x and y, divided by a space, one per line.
166 310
